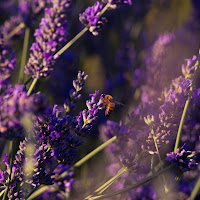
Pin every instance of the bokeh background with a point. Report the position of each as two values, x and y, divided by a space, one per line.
139 51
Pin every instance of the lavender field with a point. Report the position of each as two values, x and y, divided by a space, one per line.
100 100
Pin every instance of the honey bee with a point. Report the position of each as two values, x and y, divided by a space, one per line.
109 104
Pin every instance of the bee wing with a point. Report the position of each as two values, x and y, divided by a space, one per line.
117 103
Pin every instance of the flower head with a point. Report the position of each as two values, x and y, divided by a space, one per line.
87 117
7 63
91 19
50 35
75 95
14 106
184 159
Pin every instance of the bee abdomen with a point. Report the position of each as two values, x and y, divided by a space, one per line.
109 109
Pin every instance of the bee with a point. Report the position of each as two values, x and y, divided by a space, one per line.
109 104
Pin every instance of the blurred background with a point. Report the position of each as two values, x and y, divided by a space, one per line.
138 53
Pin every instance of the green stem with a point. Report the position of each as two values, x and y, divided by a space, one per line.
187 103
195 190
15 30
71 42
109 182
88 156
24 55
94 152
38 192
132 186
32 86
156 145
13 144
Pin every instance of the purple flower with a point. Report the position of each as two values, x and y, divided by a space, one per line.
11 24
57 130
90 18
75 95
61 187
14 106
87 117
27 14
15 190
184 159
30 10
163 117
7 63
50 35
158 64
188 69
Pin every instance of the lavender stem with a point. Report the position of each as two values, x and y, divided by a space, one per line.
15 30
71 42
32 86
109 182
24 55
187 103
132 186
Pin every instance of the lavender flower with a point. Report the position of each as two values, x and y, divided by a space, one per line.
91 19
61 132
78 84
7 63
157 66
184 159
15 105
30 10
15 189
162 116
22 181
58 137
87 117
57 130
61 187
50 35
11 24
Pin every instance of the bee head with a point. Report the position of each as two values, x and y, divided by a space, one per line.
103 95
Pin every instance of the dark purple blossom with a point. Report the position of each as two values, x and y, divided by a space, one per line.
159 120
7 63
184 159
50 35
157 73
11 24
15 190
91 19
32 166
74 94
61 187
15 106
88 116
57 130
30 10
